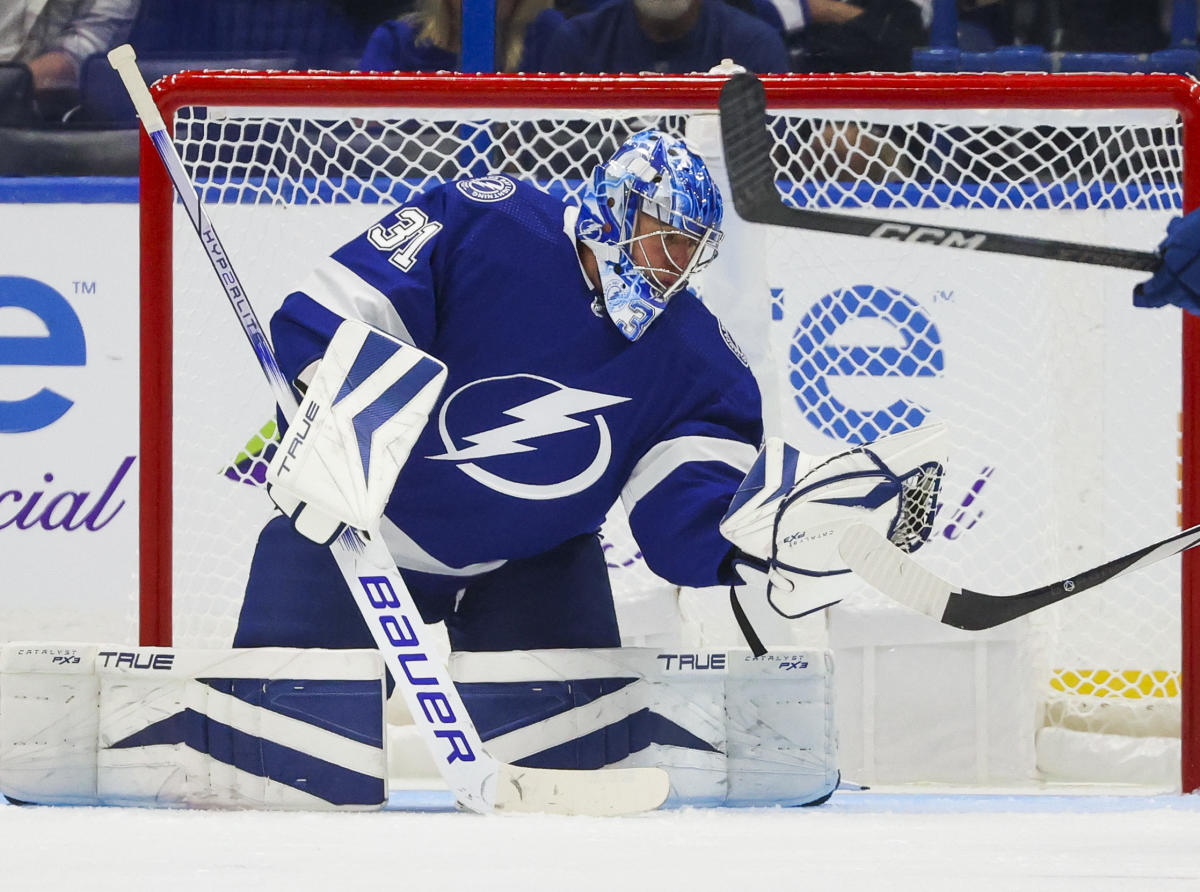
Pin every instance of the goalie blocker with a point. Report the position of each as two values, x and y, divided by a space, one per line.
363 410
275 728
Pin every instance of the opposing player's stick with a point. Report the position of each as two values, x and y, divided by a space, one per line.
747 144
902 579
478 781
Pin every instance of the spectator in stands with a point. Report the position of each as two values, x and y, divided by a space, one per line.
767 10
855 35
677 36
53 37
762 9
430 37
1074 26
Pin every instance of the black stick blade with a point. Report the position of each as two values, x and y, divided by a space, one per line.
747 143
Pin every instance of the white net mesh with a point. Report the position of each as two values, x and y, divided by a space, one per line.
1062 401
1052 160
1046 460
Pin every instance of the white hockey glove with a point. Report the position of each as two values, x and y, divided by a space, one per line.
792 509
367 403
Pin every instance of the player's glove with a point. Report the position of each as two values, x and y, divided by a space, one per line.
792 509
1177 279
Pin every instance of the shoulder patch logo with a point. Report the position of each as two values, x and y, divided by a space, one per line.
491 188
732 345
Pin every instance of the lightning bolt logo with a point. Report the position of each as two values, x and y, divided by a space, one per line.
551 413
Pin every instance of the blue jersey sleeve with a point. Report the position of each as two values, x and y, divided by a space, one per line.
394 46
682 486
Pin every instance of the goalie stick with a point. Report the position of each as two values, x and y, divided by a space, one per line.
479 782
905 581
747 143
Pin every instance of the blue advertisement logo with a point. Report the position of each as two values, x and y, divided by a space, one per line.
63 345
816 361
823 350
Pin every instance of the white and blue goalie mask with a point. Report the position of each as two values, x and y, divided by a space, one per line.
643 262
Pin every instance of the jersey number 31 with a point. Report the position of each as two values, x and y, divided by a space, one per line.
405 238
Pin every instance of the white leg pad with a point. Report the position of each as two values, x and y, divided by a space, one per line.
729 728
256 728
49 717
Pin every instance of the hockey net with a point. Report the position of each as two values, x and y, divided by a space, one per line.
1065 404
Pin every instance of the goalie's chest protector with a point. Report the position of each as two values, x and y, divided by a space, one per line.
547 407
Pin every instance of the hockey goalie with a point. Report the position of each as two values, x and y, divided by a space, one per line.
484 372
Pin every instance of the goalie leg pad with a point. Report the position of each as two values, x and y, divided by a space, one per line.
262 728
729 728
363 411
49 723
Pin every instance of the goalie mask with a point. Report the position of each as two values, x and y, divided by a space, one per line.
659 224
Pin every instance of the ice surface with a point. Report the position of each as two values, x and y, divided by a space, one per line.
859 840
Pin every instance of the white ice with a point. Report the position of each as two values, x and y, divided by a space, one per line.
859 840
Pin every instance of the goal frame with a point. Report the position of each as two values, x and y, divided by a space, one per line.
694 92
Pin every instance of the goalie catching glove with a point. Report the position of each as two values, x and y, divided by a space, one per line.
363 411
790 512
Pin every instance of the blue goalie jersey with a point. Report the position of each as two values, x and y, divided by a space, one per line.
549 415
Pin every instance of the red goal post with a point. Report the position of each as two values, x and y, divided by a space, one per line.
335 91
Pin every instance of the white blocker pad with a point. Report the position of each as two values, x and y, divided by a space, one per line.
365 407
276 728
729 728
